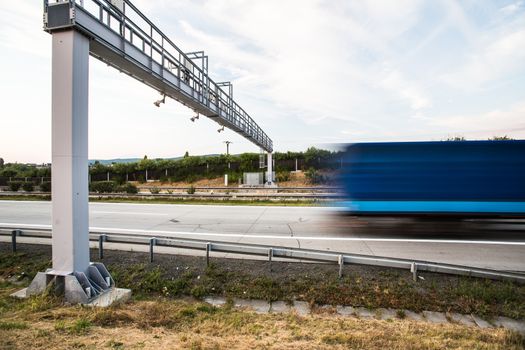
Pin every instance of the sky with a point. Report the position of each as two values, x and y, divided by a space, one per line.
309 72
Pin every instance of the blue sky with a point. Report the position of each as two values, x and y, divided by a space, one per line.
310 72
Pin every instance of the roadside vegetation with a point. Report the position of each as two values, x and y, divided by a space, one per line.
173 276
166 312
187 169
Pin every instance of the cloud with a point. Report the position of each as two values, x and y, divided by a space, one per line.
510 122
512 8
495 58
305 70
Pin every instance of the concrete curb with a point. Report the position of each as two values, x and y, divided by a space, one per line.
302 308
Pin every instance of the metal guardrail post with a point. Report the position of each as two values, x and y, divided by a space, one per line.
413 270
152 243
208 249
270 256
101 240
341 262
14 233
292 253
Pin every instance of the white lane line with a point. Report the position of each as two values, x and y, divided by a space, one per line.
219 206
236 235
125 213
322 208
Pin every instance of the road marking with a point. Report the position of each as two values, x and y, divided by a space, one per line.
185 205
125 213
295 238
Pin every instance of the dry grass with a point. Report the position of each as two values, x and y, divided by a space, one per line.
164 324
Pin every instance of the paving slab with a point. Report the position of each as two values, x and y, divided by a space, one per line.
386 314
481 323
259 306
365 313
280 307
301 307
215 301
324 309
509 323
435 317
345 310
411 315
465 320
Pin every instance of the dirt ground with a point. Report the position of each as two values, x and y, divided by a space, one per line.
296 180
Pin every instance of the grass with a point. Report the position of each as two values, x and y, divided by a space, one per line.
6 326
163 316
177 276
156 200
164 323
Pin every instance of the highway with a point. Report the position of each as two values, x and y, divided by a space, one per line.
496 244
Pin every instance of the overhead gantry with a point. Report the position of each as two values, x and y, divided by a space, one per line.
117 33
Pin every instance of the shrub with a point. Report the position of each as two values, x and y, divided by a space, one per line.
103 186
234 177
282 176
191 189
28 186
154 190
14 185
128 188
191 178
313 176
45 186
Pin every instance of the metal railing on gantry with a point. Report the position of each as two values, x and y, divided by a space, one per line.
126 39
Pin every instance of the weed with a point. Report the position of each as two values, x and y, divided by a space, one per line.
113 344
80 326
199 292
12 325
60 326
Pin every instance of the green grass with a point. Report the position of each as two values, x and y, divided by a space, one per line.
13 325
379 289
159 313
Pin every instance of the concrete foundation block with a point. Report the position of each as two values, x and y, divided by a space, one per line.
111 297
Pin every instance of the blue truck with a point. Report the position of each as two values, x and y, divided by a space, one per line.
438 178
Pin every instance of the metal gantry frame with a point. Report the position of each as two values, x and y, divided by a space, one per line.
115 32
125 38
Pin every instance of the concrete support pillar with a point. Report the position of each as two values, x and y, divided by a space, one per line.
70 63
269 175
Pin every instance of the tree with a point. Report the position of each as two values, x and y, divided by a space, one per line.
186 155
1 162
456 138
500 138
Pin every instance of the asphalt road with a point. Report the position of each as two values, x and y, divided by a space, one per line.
495 244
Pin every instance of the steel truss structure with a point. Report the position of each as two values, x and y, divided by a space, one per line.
126 39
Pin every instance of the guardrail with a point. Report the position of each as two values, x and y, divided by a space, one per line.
235 195
270 252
